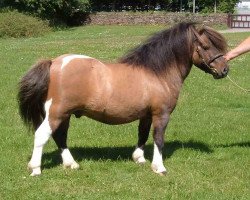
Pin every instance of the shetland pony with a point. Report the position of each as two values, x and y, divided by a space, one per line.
142 85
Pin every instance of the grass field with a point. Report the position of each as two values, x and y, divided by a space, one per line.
207 148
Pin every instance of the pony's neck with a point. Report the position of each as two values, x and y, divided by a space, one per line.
175 78
185 70
179 72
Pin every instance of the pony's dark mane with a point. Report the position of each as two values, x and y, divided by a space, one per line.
162 50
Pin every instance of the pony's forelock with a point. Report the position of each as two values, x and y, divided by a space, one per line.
216 38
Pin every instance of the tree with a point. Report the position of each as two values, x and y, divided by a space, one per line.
224 6
227 6
75 12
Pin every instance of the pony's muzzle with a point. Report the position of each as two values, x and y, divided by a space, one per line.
222 74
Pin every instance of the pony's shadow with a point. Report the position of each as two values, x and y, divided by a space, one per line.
238 144
52 159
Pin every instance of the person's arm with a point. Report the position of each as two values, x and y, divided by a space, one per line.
240 49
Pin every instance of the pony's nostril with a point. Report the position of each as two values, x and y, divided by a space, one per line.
225 71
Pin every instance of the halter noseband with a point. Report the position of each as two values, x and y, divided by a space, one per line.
207 63
213 59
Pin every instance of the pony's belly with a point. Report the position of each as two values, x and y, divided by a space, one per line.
113 118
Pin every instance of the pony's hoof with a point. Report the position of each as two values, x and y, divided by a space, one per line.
159 170
140 160
73 165
162 173
138 156
35 171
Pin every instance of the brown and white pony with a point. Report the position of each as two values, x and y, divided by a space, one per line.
143 85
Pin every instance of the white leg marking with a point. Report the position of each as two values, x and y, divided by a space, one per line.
42 135
157 163
67 59
138 156
68 160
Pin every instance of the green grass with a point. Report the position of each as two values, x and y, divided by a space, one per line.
207 140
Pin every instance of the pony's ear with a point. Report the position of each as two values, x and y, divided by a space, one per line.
198 31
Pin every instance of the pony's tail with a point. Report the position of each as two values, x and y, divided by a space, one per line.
33 89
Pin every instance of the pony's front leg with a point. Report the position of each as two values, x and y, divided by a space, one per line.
143 132
160 124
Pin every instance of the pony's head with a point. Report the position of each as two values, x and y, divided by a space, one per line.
209 47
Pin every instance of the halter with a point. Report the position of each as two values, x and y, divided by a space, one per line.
207 63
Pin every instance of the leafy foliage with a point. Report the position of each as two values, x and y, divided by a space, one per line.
15 24
225 6
72 12
76 12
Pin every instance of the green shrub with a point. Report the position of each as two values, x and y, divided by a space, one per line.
15 24
73 12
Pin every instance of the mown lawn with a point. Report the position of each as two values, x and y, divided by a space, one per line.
207 148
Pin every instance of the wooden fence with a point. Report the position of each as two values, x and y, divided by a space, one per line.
238 21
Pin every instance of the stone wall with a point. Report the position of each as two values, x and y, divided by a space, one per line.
153 18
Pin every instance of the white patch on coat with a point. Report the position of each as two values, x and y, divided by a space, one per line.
69 58
157 163
42 135
138 156
68 160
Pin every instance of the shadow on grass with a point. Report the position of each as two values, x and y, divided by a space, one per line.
238 144
53 159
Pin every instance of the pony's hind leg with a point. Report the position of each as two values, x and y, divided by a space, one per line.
143 132
42 135
60 138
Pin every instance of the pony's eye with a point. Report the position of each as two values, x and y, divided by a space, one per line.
206 47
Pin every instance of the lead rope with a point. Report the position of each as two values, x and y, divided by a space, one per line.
245 90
